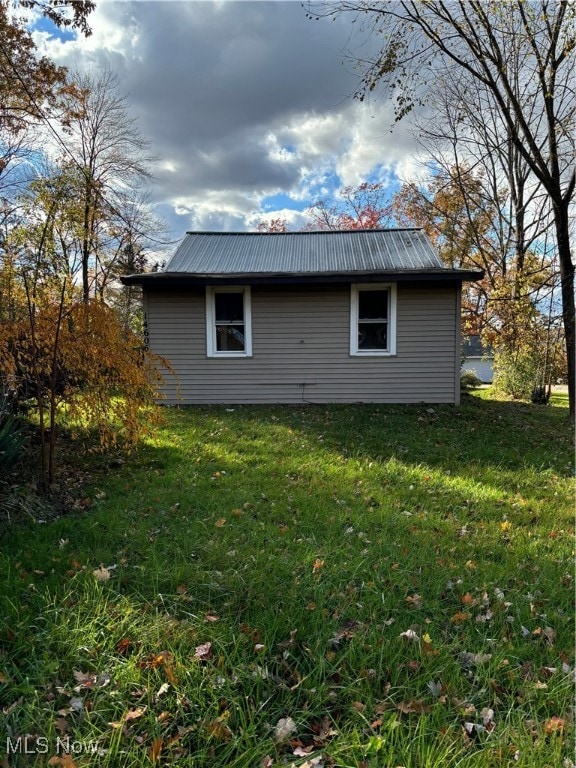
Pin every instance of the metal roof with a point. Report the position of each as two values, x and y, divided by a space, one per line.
301 253
278 258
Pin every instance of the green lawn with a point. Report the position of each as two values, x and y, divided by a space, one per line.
318 586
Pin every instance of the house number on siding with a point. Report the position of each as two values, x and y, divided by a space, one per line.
145 330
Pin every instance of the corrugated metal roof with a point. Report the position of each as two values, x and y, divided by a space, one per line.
228 253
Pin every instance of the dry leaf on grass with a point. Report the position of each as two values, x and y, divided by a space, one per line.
285 727
413 707
203 652
132 714
554 725
101 574
66 761
156 749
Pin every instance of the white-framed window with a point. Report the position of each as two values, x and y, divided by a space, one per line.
228 321
373 319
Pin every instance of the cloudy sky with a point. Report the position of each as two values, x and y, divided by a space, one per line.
248 106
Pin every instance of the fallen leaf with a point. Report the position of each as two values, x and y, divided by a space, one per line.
435 688
472 730
468 600
155 749
285 727
413 707
315 762
219 729
220 523
414 600
347 632
487 715
554 725
132 714
318 565
460 617
62 725
203 652
162 690
66 760
473 659
85 680
124 645
76 704
101 574
323 731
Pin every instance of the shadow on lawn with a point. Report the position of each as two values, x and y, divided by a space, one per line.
323 469
496 444
314 519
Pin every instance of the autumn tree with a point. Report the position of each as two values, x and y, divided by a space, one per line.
32 88
272 225
522 57
483 207
77 362
451 208
365 206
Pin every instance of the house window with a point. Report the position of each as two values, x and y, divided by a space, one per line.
373 319
228 322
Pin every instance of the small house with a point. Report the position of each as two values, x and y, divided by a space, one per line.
306 317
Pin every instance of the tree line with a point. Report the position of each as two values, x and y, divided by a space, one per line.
495 84
74 217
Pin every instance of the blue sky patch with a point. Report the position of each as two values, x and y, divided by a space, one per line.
45 25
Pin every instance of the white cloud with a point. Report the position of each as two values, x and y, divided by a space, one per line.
241 101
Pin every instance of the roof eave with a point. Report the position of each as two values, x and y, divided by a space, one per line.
187 279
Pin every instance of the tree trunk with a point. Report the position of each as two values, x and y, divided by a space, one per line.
568 309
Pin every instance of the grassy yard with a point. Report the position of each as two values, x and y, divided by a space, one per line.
319 586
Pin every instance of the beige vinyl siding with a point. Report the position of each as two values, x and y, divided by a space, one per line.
300 349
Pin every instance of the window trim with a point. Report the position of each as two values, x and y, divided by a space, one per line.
211 345
355 288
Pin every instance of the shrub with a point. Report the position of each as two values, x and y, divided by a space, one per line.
469 380
515 372
11 439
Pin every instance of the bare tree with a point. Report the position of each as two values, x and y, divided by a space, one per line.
521 54
112 162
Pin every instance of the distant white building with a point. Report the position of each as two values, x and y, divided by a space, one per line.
478 359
